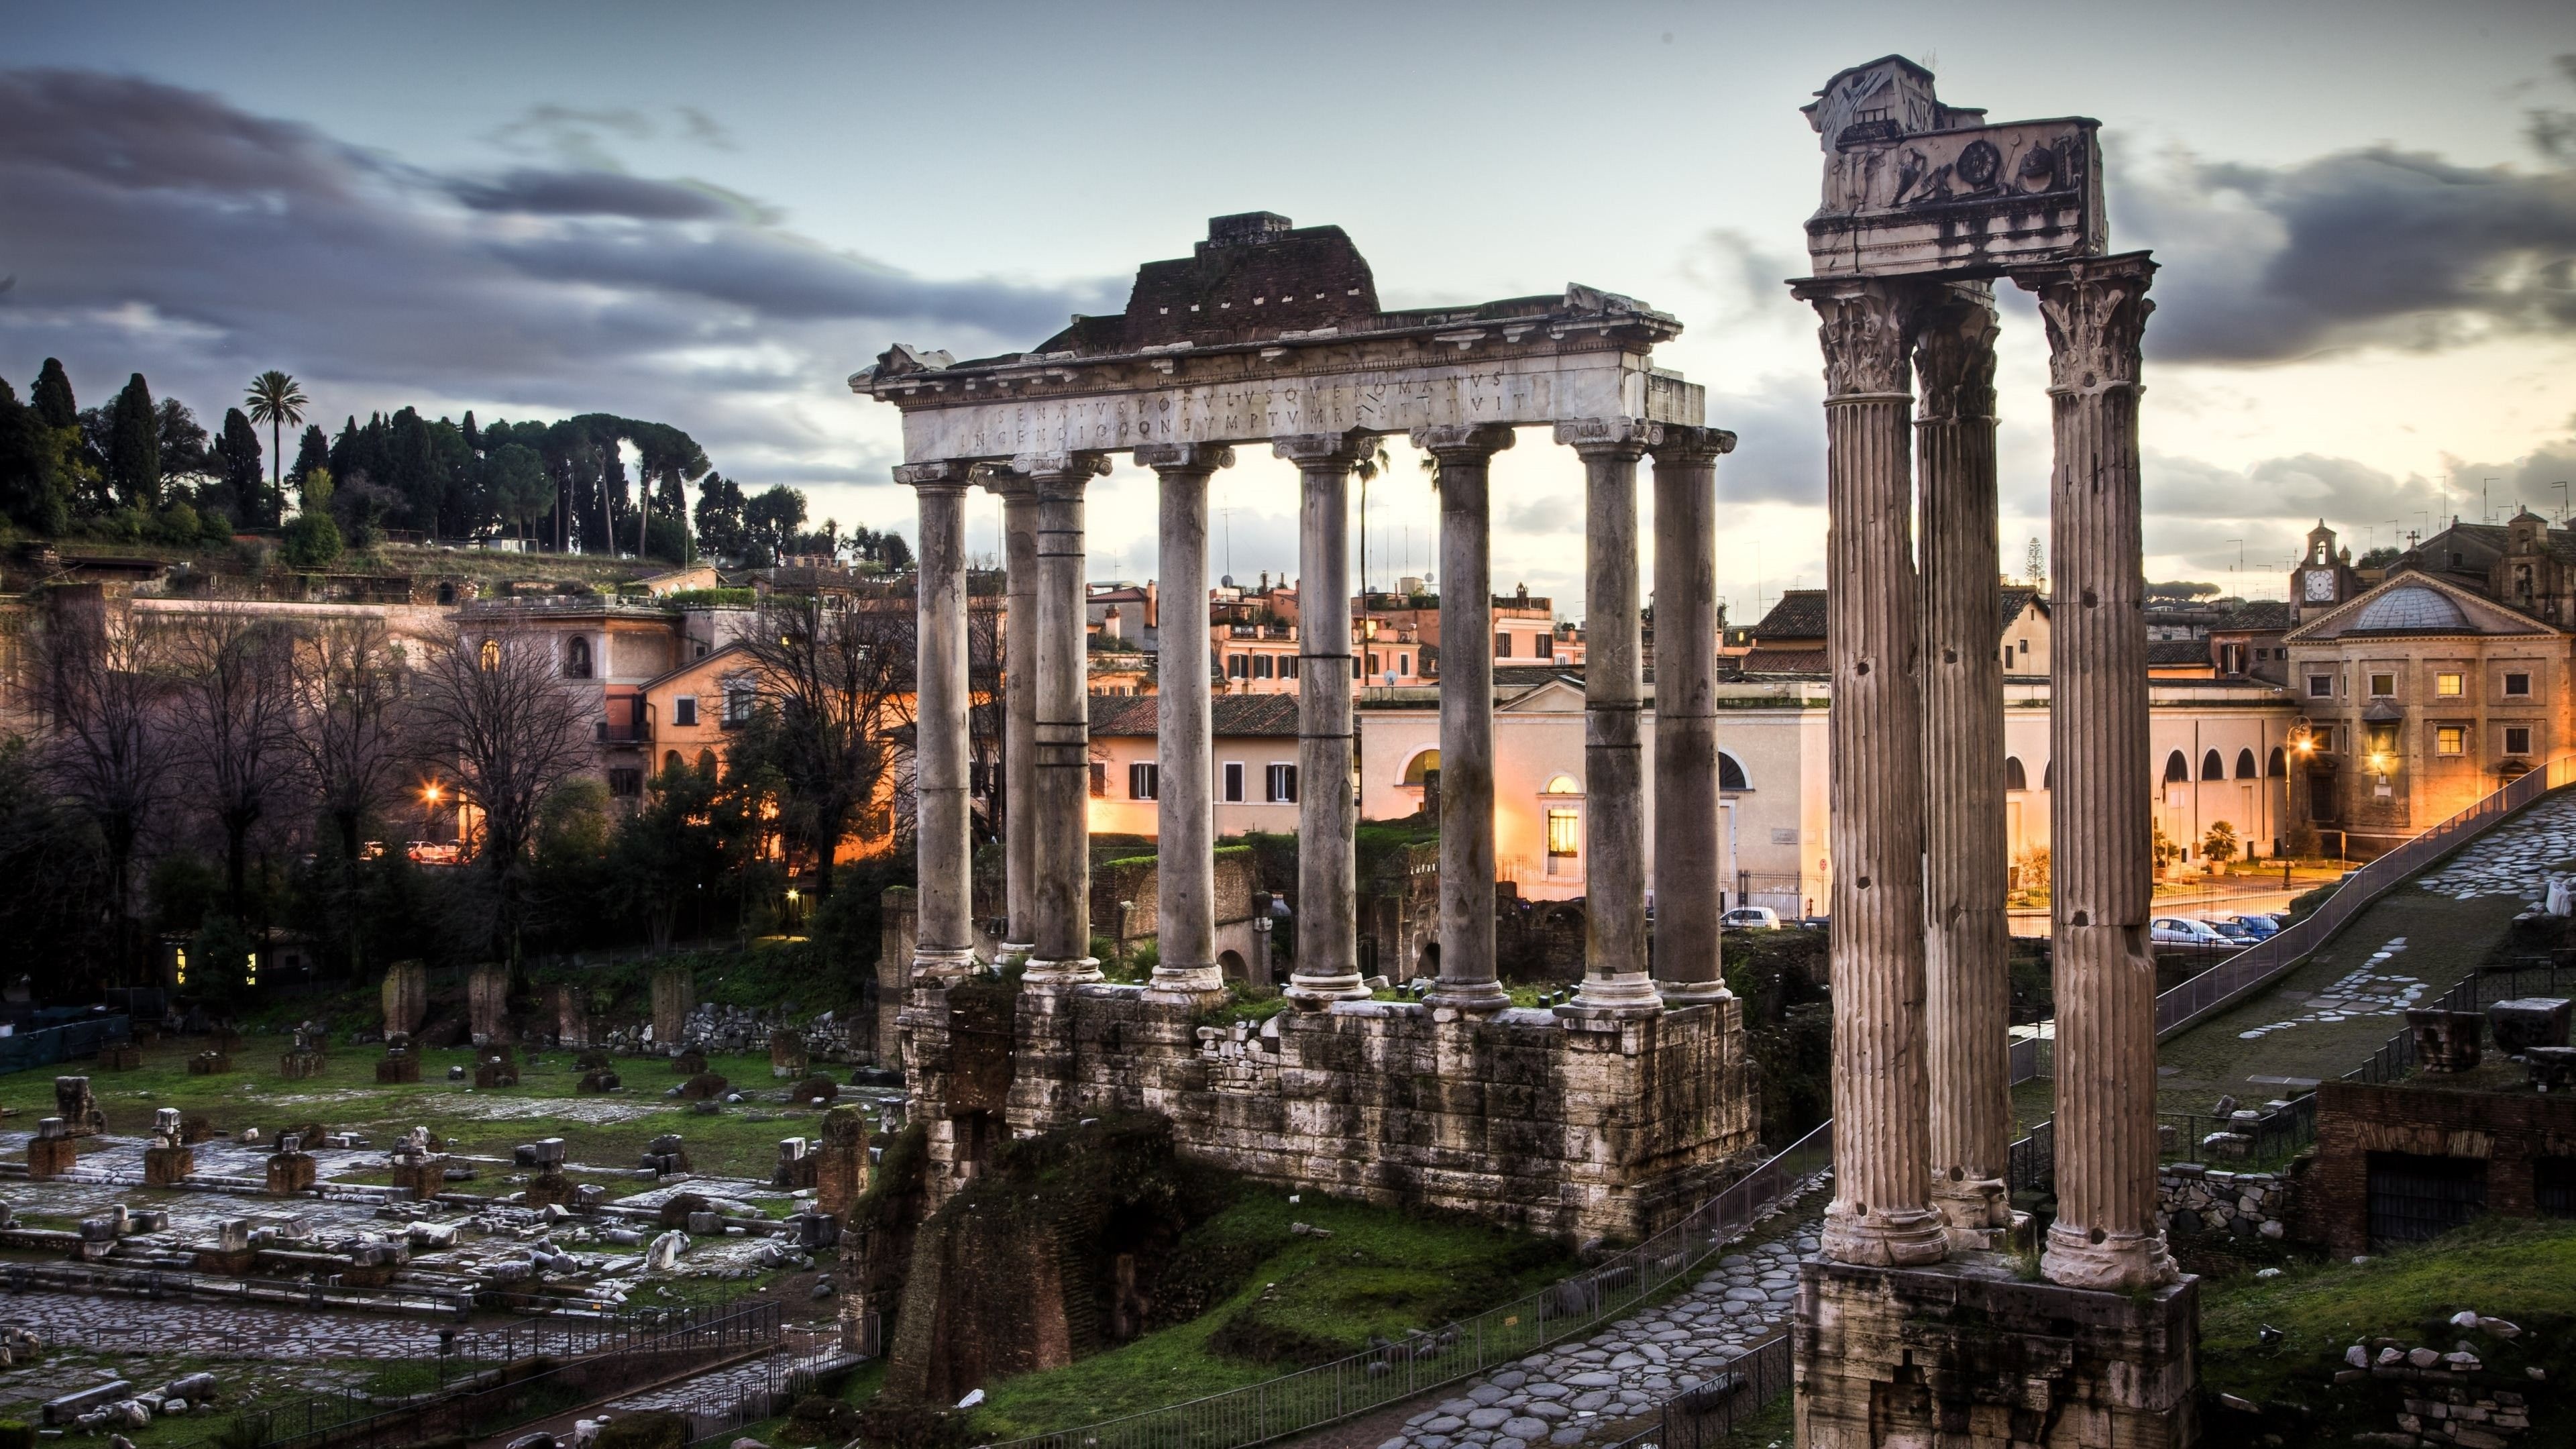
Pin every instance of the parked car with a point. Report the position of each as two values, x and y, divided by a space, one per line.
2184 931
1750 918
2263 927
2233 930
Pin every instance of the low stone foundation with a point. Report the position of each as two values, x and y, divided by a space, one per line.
296 1066
49 1157
168 1166
424 1174
290 1173
1965 1355
2192 1199
1578 1130
394 1069
120 1056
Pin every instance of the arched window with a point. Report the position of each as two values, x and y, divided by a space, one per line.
2279 768
1421 766
2177 769
2015 778
1563 785
670 760
2048 776
707 763
1564 826
2212 767
2245 764
489 656
577 658
1730 773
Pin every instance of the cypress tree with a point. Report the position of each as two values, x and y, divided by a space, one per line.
52 397
134 446
313 452
237 454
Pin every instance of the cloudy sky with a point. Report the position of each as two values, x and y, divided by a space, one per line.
711 215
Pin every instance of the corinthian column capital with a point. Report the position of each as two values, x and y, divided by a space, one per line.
2095 309
1954 353
1866 326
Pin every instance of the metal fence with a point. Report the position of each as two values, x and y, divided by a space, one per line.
2256 965
47 1045
2396 1057
1705 1412
1294 1403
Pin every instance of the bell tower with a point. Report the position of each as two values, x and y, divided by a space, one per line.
2319 582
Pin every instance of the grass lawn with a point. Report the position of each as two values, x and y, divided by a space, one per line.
598 1130
2521 1270
1381 1272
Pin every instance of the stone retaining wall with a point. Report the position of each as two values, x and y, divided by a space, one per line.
2193 1199
1564 1128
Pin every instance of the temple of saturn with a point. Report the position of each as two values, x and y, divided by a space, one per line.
1605 1116
1911 1329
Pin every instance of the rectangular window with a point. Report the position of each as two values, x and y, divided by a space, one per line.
625 784
1099 779
2382 685
1564 832
2447 685
1404 664
1372 661
1283 784
2320 686
2450 740
1142 783
1238 667
1261 666
1234 782
2517 685
684 710
2517 740
1287 666
1502 646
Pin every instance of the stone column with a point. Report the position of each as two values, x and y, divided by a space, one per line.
1062 733
946 944
1966 939
1688 855
1019 712
1882 1162
1615 982
1468 979
1327 967
1184 806
2105 1235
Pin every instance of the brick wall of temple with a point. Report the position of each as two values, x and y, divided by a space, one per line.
1517 1118
2508 1130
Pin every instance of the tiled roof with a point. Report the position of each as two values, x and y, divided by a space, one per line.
2259 614
1787 661
1800 614
2177 651
1229 714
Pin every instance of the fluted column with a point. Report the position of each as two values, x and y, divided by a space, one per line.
945 939
1327 966
1468 979
1185 825
1966 938
1062 733
1687 854
1614 766
1020 808
2100 827
1882 1163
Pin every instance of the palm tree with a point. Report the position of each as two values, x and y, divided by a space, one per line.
275 400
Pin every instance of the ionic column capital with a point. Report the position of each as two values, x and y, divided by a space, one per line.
1623 438
1325 451
1464 443
1002 482
1681 446
950 475
1061 470
1184 457
1954 353
2095 309
1866 325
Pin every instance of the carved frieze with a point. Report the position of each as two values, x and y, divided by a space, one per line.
2095 310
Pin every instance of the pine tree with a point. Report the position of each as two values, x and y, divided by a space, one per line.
134 447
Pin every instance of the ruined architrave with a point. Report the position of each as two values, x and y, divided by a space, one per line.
1605 1117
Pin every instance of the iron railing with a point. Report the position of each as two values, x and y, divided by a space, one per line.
1296 1402
2396 1057
2255 966
1705 1412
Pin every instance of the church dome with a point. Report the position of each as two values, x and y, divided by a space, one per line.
2411 609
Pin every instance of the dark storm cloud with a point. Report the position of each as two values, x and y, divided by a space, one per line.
156 227
2267 264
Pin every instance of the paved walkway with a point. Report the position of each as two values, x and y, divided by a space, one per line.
1582 1390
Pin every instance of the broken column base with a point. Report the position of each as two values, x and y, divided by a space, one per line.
300 1066
168 1166
393 1069
51 1157
120 1056
290 1173
1965 1353
551 1188
425 1176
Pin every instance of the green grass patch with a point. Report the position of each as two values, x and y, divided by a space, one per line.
1310 1299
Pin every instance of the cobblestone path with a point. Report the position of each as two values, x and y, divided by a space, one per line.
1578 1390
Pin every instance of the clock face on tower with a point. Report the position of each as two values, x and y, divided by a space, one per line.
2321 586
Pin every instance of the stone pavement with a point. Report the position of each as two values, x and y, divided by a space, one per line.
2517 858
1581 1390
217 1330
2374 989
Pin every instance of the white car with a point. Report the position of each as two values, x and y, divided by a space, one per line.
2184 931
1750 918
